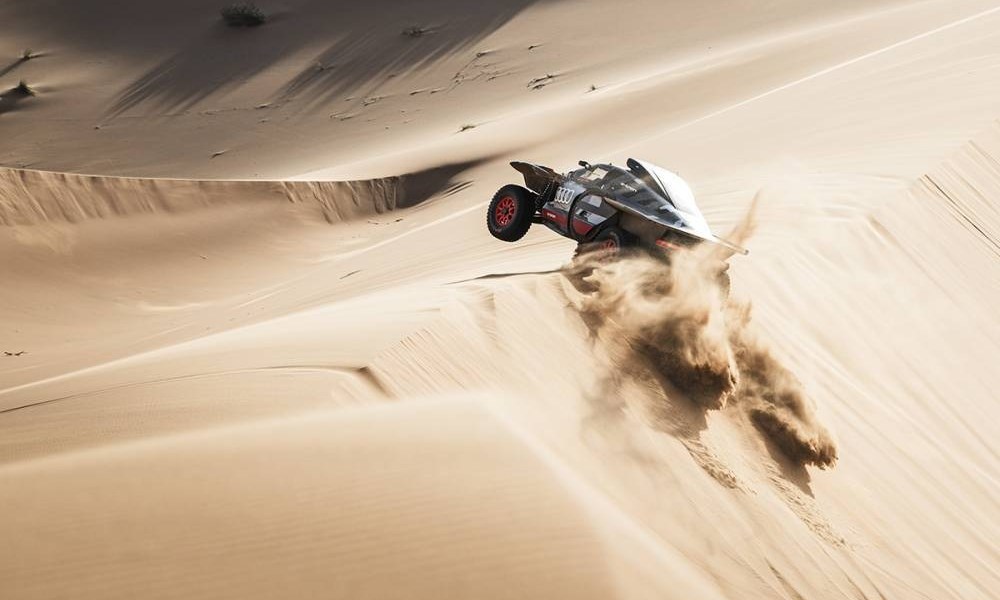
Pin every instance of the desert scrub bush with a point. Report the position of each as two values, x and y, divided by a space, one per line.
243 14
23 89
415 32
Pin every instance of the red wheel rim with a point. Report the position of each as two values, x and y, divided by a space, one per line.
505 210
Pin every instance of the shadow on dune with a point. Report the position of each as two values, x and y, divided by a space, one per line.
789 470
490 276
17 63
28 55
217 60
439 182
340 201
377 50
369 47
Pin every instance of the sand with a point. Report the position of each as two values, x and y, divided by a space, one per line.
257 342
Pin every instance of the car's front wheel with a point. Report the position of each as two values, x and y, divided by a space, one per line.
509 215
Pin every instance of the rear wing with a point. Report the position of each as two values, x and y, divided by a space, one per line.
536 177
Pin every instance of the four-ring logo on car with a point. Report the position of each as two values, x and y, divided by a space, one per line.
563 195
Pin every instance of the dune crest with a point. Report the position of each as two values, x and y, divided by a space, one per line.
34 197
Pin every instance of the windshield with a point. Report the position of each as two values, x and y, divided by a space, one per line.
624 186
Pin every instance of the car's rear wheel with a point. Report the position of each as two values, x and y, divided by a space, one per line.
612 241
609 243
509 215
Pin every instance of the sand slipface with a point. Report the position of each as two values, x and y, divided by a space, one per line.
255 340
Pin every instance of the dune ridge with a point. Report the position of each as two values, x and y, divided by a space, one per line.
33 197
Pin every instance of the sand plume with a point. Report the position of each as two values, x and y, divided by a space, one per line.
774 399
669 317
673 319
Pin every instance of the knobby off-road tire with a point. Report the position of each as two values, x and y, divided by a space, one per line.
509 215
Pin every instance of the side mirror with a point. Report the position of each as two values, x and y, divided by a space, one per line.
584 164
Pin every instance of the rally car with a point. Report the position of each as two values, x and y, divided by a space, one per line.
606 208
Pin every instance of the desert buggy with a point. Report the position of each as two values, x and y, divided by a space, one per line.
606 208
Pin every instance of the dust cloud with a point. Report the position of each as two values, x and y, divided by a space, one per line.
674 319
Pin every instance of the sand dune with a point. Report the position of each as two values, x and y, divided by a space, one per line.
256 341
347 514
